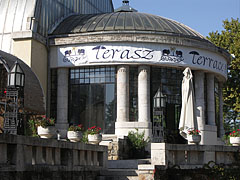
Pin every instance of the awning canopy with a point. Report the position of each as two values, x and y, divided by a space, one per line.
34 100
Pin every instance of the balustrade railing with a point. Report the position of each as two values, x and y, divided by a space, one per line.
193 156
22 153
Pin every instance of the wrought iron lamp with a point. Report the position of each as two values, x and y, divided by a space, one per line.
14 102
16 76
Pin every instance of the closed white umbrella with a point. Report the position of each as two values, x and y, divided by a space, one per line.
188 119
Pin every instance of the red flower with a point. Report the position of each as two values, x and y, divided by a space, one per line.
234 131
238 129
5 92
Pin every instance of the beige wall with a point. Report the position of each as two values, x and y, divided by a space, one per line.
34 54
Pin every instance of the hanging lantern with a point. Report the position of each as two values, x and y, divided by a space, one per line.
16 76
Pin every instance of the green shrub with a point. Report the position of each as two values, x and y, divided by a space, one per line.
136 140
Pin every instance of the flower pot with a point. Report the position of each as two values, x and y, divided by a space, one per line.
94 139
74 136
194 139
235 141
48 132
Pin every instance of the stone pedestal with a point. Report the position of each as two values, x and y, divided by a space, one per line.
209 135
122 129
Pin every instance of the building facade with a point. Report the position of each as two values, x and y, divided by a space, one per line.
116 70
123 70
24 27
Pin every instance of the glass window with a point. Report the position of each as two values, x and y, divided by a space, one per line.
166 104
92 100
133 94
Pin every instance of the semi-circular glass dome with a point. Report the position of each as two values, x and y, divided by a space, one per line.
124 22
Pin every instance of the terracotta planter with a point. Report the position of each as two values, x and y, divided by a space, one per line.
48 132
74 136
94 139
235 141
194 139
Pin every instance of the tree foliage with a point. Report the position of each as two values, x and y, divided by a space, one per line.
229 39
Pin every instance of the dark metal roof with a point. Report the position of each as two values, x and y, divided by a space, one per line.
33 92
124 22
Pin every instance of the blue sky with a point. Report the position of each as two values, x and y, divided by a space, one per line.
203 16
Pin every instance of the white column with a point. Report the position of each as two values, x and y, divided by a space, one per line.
222 132
210 100
123 94
199 95
122 125
143 94
62 101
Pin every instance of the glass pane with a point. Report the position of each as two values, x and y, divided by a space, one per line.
12 79
110 110
76 75
18 79
133 94
91 101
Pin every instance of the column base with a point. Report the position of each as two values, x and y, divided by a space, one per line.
62 128
122 128
209 135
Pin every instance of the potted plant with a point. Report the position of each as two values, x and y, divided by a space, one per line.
74 133
94 136
235 137
46 127
193 136
137 143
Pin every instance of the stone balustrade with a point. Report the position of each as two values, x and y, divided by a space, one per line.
193 156
22 153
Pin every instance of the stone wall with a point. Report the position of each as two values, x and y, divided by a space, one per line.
36 158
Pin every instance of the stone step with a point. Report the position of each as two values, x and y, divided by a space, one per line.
119 172
145 171
128 170
144 161
127 164
117 178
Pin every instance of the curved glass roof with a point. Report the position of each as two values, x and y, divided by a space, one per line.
124 22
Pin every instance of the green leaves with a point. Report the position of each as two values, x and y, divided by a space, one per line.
137 139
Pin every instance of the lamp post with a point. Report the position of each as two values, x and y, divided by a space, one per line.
14 100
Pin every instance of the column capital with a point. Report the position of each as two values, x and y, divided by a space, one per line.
143 69
122 68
